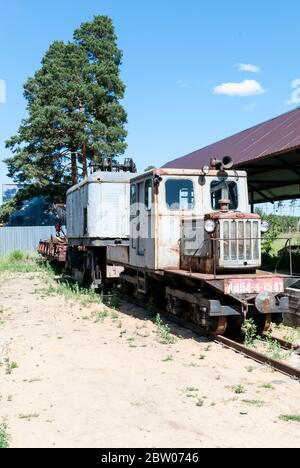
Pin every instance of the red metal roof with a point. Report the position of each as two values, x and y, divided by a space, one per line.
274 137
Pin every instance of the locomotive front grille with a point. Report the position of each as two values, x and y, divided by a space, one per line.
240 241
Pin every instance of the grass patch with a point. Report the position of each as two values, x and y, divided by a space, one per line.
4 436
9 366
239 389
114 315
289 334
268 386
72 292
290 417
112 300
101 316
274 349
192 389
257 403
164 332
19 262
200 402
191 392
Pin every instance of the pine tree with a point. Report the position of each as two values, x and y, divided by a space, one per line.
74 114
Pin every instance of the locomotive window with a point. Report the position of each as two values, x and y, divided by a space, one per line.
148 194
133 200
180 194
222 189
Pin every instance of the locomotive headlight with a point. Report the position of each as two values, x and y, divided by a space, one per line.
209 226
265 227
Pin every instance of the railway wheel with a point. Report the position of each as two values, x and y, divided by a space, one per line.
217 325
267 323
263 323
127 288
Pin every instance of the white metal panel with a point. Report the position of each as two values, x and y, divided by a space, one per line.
118 254
108 210
98 207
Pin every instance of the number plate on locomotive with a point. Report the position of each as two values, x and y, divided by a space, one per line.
238 286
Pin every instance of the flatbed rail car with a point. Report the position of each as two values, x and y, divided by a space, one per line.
54 249
195 247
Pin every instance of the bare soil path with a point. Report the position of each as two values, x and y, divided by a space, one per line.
88 378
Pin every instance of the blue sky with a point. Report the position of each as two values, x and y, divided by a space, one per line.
185 88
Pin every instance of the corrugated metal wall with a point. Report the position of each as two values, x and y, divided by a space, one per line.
23 238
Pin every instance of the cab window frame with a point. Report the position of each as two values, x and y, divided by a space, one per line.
148 202
191 194
232 206
133 200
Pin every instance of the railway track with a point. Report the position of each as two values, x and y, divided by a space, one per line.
229 343
261 358
286 344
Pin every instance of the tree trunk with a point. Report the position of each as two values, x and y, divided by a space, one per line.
84 161
74 166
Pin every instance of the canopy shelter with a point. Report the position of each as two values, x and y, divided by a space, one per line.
269 152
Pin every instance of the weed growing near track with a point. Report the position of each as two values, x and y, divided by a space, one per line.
289 334
249 329
164 332
274 349
72 292
112 300
100 316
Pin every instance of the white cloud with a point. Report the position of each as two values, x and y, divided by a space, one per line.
242 89
248 67
295 98
2 92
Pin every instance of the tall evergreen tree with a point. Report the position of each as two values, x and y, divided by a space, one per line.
105 88
74 113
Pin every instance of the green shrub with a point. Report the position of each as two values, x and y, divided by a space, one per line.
18 256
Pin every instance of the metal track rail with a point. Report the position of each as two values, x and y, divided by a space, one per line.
285 369
285 344
258 357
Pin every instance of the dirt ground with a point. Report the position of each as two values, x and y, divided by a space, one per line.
111 383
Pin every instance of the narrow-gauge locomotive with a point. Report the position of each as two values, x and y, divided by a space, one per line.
195 246
183 238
